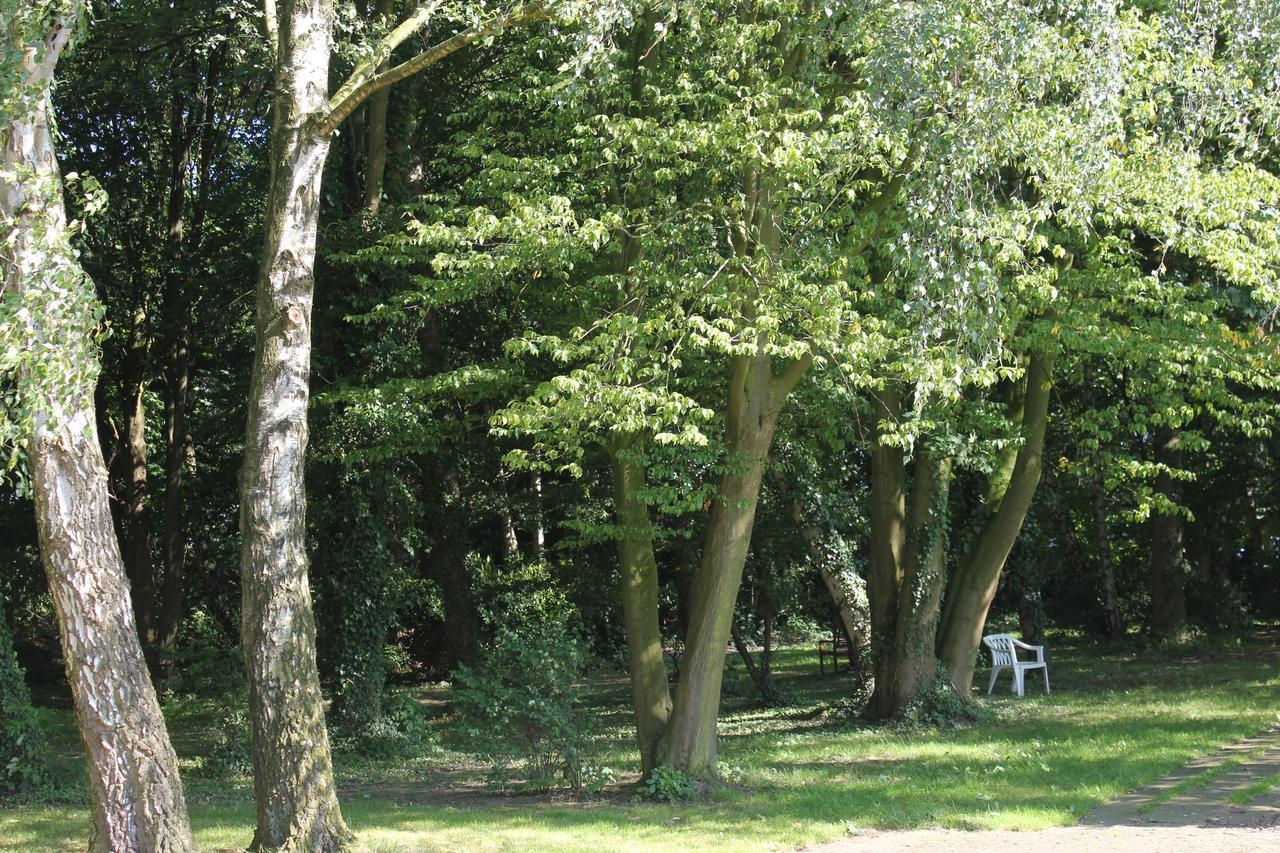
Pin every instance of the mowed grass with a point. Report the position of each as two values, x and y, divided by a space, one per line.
800 775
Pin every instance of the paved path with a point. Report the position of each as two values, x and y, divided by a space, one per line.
1252 760
1194 819
1067 839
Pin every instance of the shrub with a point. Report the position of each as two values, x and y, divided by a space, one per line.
520 706
941 706
208 664
669 784
1217 606
24 760
400 730
231 752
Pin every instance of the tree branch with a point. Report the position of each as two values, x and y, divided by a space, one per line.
785 381
887 195
368 68
365 79
272 25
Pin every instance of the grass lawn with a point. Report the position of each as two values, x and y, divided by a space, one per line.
801 774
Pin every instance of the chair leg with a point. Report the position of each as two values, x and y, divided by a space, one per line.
1046 680
995 670
1017 681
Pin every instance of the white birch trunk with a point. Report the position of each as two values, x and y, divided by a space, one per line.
297 802
132 770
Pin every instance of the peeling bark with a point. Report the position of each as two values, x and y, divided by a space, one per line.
137 799
297 802
293 772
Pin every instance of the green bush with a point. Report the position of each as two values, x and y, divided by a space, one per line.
24 759
231 750
941 707
669 784
400 730
208 663
520 706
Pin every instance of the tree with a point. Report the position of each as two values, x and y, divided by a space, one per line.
175 159
50 339
1138 250
297 803
973 586
907 563
807 172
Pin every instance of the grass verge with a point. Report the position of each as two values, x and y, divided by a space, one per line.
802 774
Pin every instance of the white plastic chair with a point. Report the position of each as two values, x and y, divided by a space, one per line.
1004 655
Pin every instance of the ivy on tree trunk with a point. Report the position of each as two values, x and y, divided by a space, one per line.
136 794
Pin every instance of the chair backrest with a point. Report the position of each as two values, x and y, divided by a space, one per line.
1001 646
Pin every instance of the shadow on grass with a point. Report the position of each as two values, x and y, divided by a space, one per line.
802 776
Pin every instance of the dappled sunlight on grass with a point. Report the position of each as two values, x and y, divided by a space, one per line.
801 774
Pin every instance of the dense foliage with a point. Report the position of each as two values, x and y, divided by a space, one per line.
520 706
642 327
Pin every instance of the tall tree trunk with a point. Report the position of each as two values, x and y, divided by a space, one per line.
756 397
766 637
376 149
691 736
974 585
907 664
507 527
297 803
1113 620
175 318
1031 616
446 564
133 775
135 523
888 541
1073 550
539 533
1106 566
754 400
1168 597
293 773
650 696
685 553
842 585
174 552
137 800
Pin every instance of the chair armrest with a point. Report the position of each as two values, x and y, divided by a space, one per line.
1039 650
